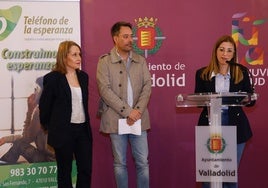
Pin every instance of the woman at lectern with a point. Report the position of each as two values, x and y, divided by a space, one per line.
222 76
64 114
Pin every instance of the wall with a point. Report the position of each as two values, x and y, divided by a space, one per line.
190 29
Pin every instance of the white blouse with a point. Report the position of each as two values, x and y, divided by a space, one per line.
78 113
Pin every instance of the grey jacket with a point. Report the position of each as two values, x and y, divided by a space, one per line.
112 85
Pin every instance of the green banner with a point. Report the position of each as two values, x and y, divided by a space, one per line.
29 175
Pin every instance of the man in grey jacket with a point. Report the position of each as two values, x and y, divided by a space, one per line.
124 84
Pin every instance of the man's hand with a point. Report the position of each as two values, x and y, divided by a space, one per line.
130 121
133 117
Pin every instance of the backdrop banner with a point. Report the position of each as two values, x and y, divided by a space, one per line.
177 37
30 32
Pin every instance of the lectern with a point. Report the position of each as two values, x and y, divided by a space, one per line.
214 103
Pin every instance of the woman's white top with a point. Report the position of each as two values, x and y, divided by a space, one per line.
78 113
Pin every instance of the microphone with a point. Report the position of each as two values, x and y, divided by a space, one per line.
232 63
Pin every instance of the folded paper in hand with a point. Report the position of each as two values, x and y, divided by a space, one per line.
124 128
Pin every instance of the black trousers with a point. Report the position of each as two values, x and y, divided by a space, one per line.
79 147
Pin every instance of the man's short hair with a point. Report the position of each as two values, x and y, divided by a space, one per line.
117 26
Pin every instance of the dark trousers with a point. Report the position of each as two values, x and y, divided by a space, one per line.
79 147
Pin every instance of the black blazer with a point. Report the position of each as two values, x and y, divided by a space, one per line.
237 116
56 106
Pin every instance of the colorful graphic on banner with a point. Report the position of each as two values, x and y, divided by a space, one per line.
251 53
9 19
29 38
254 55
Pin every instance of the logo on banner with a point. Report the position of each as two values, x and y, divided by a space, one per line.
247 32
148 36
216 144
255 54
8 20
